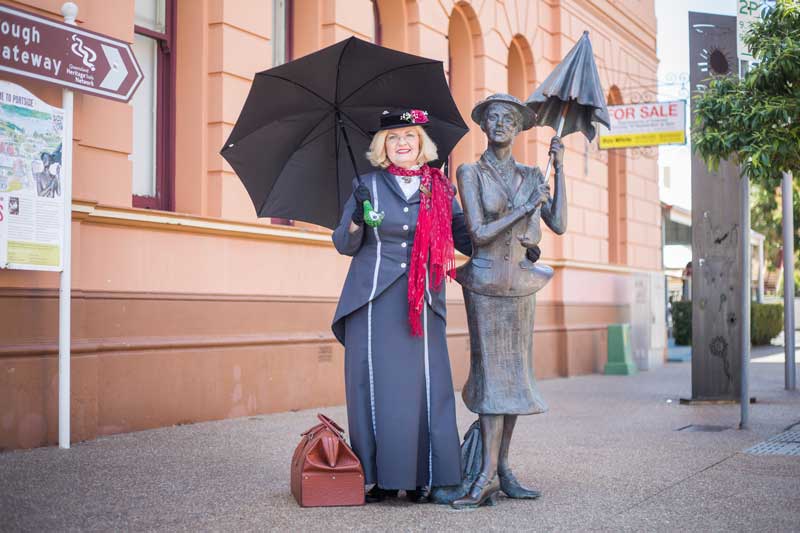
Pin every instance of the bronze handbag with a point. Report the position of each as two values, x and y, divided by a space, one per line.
325 470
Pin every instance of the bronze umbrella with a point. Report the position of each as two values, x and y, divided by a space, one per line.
571 98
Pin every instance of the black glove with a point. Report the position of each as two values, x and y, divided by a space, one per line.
461 238
360 195
533 254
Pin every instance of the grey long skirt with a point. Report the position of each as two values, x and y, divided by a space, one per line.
501 379
398 454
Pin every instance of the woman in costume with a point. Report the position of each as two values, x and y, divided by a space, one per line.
391 313
503 203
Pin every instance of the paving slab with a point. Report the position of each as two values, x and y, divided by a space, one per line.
607 457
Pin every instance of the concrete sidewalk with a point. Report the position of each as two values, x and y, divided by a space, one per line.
607 457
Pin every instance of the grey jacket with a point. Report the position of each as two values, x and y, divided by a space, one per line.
496 218
381 255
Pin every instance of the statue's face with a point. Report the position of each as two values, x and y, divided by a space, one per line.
501 123
402 146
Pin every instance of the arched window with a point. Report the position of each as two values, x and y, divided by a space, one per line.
377 29
617 196
391 23
462 79
520 84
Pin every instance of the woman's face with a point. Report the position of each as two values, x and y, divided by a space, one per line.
402 146
501 123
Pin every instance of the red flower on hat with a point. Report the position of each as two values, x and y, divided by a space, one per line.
418 116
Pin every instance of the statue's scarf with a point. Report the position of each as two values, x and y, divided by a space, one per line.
433 239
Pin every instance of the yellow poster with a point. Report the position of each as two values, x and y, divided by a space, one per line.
34 254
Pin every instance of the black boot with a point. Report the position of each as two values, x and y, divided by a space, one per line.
377 494
419 495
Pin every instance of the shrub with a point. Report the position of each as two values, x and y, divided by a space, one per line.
766 321
682 322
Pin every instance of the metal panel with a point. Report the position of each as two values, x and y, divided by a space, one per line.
716 298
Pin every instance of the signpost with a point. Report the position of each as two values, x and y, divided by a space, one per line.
57 52
61 53
720 342
647 124
747 12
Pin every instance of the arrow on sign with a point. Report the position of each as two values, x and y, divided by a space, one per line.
118 72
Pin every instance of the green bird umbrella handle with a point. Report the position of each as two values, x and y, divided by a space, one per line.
372 218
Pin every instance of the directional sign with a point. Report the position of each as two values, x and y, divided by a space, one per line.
45 49
747 12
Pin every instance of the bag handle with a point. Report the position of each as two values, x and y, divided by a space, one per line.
333 426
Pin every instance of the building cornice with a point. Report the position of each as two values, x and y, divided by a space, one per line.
93 213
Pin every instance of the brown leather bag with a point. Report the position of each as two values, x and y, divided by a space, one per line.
325 470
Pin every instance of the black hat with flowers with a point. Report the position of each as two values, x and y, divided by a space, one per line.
402 118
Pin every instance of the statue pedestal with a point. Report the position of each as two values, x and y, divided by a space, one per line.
620 362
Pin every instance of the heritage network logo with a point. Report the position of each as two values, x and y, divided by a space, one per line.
79 49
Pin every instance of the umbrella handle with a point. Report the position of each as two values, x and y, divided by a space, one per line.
534 228
372 218
561 120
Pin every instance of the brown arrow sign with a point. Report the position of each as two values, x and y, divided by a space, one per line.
44 49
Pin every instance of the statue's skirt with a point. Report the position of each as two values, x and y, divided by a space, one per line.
501 378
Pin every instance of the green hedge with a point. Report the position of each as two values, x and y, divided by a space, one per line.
766 321
682 323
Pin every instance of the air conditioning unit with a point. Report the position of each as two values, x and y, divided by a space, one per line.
648 320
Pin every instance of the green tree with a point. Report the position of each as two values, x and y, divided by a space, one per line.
755 121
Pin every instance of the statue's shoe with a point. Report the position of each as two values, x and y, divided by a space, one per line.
512 488
483 492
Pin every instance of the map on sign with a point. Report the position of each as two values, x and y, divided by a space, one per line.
31 202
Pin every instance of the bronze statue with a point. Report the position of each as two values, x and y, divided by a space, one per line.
503 202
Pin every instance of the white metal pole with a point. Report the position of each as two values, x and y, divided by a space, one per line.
788 282
761 271
744 398
70 11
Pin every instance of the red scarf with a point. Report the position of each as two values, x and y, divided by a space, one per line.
433 239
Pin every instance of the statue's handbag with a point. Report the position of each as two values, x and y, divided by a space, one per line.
325 470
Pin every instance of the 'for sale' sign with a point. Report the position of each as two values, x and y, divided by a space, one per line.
647 124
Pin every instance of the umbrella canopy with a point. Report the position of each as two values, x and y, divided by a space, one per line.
291 143
571 98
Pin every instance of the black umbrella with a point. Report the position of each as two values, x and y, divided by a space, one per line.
571 98
305 127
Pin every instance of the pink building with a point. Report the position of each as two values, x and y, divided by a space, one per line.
188 308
